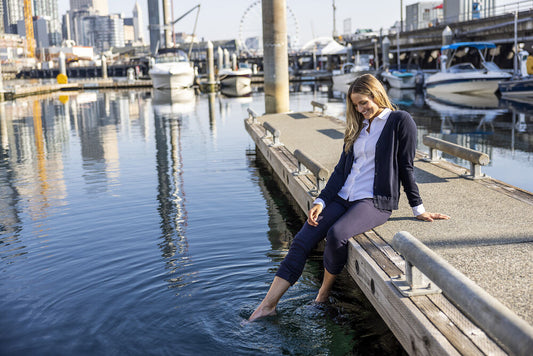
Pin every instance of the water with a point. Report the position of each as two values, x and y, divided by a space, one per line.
132 226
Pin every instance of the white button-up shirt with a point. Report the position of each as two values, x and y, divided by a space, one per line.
360 182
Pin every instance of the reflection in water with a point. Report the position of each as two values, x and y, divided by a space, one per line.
168 118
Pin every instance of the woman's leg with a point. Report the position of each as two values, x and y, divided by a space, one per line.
306 240
293 264
268 306
325 288
360 217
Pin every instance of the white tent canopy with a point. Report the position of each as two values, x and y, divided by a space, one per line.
324 46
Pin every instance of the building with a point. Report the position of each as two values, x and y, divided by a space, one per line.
102 32
47 10
423 15
99 7
138 25
12 12
466 10
129 32
40 32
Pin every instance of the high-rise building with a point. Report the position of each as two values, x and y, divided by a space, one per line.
99 7
138 26
47 9
102 32
422 15
13 12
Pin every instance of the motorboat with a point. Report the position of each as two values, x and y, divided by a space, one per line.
172 70
343 78
237 80
402 79
465 77
521 84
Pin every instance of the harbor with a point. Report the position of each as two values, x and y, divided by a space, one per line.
148 193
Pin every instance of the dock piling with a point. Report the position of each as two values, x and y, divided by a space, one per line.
276 61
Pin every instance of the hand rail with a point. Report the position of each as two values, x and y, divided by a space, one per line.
252 115
272 131
514 333
319 105
476 158
305 162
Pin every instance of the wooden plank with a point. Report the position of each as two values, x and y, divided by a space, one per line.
386 264
441 321
473 332
413 330
386 249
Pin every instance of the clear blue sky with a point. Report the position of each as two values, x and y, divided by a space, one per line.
221 19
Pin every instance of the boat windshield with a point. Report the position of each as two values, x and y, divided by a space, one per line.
171 59
491 66
462 67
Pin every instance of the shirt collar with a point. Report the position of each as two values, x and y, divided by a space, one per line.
383 115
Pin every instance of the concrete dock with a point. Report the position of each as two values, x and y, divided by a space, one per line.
489 238
13 91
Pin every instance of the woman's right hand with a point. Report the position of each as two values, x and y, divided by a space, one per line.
314 212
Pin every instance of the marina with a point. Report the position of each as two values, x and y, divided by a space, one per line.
64 173
150 191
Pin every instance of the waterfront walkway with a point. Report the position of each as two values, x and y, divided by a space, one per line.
489 237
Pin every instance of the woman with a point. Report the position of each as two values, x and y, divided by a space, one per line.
364 188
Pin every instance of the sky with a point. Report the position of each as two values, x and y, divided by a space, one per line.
307 19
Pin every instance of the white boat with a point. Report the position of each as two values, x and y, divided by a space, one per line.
521 85
239 80
465 77
401 79
172 71
343 78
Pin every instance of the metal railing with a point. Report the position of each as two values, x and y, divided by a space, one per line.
252 115
319 105
271 131
512 332
307 165
476 158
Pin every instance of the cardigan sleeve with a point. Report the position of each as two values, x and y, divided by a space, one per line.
335 181
406 153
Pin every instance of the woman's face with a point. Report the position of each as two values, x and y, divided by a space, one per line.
365 105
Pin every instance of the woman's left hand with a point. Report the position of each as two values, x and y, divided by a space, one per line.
427 216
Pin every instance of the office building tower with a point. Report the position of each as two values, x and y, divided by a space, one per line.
138 25
99 7
13 12
47 9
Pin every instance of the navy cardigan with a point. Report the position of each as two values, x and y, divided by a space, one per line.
395 152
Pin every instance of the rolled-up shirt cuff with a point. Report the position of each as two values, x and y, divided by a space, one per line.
319 201
419 209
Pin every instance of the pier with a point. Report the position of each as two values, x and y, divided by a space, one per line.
14 91
488 241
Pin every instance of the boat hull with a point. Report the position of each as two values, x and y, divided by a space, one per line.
518 87
342 82
400 81
478 83
172 81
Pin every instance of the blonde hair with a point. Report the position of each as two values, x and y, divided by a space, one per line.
367 85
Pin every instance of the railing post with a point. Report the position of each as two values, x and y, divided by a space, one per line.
252 115
316 104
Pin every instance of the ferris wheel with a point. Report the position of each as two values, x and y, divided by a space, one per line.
251 29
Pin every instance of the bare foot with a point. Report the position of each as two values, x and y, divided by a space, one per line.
262 311
322 297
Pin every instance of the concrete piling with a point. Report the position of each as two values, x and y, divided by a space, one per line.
210 68
276 61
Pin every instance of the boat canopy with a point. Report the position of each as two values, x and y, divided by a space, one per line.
478 45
